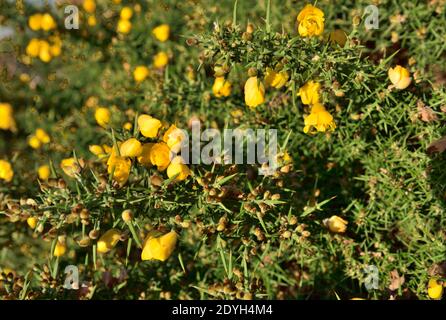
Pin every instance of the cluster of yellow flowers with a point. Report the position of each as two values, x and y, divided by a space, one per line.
41 48
7 121
161 153
90 7
319 118
43 22
124 23
160 60
39 138
156 246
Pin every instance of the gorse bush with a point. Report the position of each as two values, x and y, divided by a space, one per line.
92 121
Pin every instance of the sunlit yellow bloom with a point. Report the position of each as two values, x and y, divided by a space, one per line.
276 79
126 13
34 142
160 60
35 21
44 51
127 126
434 289
71 167
254 92
221 87
44 172
124 26
144 157
48 22
338 36
120 168
161 32
108 240
173 137
160 155
178 168
32 222
89 6
309 92
42 136
336 224
59 249
91 20
7 121
140 73
130 148
33 48
319 120
97 150
6 172
159 248
400 77
311 21
148 126
55 50
102 116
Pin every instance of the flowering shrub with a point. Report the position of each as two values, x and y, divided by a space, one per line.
95 121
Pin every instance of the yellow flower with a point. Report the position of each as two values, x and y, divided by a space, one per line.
89 6
336 224
400 77
160 60
434 289
44 172
48 22
7 121
126 13
276 79
148 126
55 50
140 73
127 126
35 22
254 92
102 116
92 21
161 32
338 36
98 151
221 87
33 48
178 168
6 172
71 167
124 26
160 155
130 148
108 240
59 249
309 92
42 136
34 142
32 222
319 120
119 167
144 157
44 51
173 137
311 21
159 248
